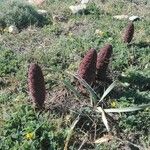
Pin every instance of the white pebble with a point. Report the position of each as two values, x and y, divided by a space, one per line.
42 12
134 18
84 1
13 29
77 8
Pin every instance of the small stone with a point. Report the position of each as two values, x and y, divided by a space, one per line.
77 8
84 1
12 29
134 18
99 32
42 12
36 2
121 17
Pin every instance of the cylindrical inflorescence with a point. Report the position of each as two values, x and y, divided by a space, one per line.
103 61
87 68
36 84
128 35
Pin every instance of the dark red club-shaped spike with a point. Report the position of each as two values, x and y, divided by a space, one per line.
128 35
36 85
87 68
103 61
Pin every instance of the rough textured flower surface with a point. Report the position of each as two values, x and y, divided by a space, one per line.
87 68
128 35
36 85
103 61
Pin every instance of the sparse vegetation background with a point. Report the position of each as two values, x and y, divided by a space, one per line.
106 107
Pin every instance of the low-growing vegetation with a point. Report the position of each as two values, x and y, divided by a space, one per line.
74 81
21 15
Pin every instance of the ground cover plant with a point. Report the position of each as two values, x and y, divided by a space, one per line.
20 14
78 81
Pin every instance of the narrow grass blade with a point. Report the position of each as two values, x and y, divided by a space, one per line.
70 132
104 119
93 95
70 87
108 90
127 109
88 87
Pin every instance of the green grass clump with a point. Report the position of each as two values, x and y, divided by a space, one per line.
26 129
21 15
8 62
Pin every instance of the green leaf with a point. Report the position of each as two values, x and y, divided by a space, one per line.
127 109
93 95
108 90
69 86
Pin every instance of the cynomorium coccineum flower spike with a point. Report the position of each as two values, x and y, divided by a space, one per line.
87 68
36 85
103 61
128 35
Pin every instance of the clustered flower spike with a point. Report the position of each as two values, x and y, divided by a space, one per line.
36 85
87 68
103 61
129 33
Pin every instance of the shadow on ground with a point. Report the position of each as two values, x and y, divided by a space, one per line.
140 45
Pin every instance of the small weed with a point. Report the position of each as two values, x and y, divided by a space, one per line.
8 61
